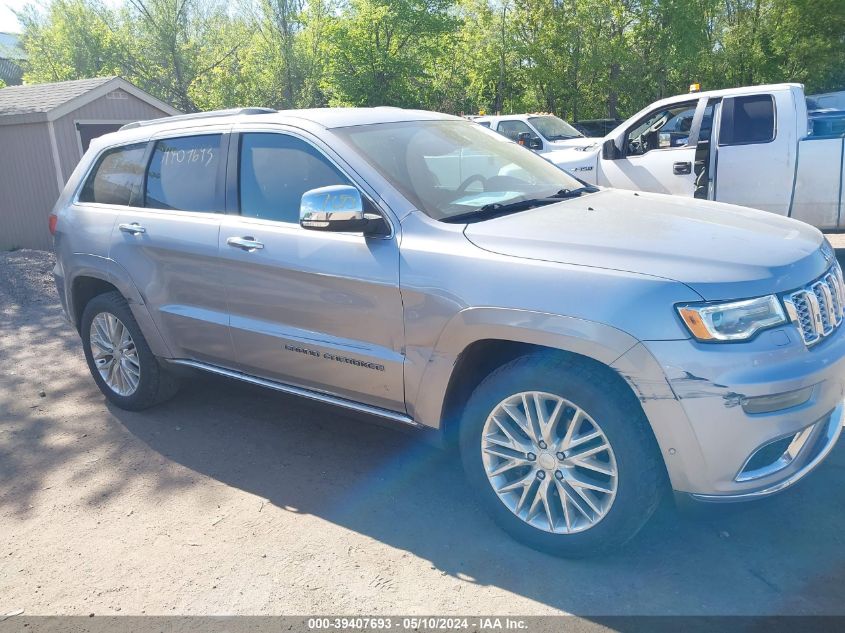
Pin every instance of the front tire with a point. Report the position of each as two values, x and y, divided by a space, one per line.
561 455
121 362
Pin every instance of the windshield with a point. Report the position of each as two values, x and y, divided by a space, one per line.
449 168
553 128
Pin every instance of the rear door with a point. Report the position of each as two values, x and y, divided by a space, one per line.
167 243
659 151
755 158
313 309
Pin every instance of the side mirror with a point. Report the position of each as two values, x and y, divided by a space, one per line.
339 208
609 150
526 139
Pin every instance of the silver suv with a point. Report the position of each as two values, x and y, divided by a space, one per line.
587 349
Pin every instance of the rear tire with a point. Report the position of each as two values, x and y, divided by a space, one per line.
538 485
119 358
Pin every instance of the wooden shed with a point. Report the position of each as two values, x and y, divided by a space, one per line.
44 130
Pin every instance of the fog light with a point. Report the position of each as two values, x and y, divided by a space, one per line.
777 402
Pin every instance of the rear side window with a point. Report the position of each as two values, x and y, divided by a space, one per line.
275 170
747 120
116 179
184 174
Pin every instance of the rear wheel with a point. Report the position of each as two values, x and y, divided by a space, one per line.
121 362
561 455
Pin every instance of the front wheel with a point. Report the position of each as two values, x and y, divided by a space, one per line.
561 454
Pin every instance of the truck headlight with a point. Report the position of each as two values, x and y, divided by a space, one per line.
733 321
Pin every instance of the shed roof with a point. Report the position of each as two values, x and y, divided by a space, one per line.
49 101
10 46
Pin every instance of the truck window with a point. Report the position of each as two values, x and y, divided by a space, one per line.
275 170
512 129
116 177
184 174
747 120
665 128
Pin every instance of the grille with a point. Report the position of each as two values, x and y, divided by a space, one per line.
817 309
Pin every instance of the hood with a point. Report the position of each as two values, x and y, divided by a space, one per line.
581 141
721 251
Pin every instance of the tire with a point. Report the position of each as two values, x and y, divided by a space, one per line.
627 498
152 382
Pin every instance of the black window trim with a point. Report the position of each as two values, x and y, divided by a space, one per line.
220 183
774 119
233 198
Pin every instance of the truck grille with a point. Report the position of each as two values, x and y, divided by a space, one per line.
817 309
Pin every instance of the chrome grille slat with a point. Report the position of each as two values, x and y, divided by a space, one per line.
836 297
819 308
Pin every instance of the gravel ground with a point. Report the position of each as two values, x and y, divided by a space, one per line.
232 500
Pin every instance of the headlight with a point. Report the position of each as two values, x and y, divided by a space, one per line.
734 321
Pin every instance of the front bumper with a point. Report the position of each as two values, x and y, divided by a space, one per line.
697 397
820 447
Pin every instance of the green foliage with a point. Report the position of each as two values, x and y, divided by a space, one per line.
577 58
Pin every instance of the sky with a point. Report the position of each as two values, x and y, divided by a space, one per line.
8 22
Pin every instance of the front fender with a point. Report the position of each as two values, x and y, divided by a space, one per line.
598 341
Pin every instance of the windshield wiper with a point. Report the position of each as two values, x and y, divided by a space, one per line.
574 193
497 209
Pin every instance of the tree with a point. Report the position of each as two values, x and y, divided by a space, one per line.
380 52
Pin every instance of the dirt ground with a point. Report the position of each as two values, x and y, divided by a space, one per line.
233 500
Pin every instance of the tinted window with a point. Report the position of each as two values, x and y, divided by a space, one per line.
117 176
184 174
276 170
512 129
747 120
484 123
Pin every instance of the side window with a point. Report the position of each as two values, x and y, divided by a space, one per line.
116 179
484 123
275 170
665 128
184 174
747 120
512 129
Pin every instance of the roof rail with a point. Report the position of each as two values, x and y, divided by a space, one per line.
199 115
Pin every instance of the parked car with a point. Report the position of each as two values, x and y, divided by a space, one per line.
596 128
588 349
544 133
752 146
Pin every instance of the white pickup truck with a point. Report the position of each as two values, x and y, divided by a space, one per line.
752 146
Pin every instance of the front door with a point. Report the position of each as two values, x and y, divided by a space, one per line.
659 151
314 309
168 244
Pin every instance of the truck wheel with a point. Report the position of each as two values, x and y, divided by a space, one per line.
561 455
123 366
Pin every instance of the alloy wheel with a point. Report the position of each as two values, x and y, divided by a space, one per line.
114 353
549 462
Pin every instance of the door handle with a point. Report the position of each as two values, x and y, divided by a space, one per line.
248 244
132 229
679 169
